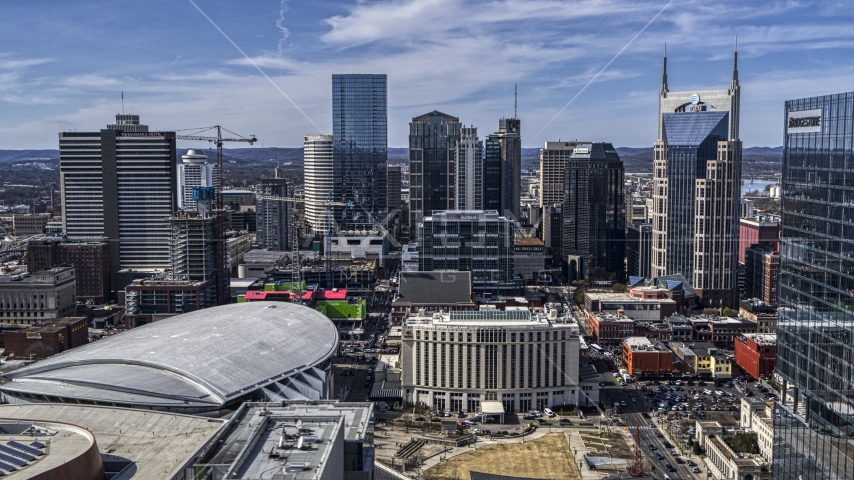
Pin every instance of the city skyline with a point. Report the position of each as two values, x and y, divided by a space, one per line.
176 68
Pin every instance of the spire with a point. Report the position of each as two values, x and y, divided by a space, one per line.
515 100
664 88
735 63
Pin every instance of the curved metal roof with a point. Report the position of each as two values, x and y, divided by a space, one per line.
203 358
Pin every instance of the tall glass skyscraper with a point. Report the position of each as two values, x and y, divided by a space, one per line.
814 427
594 214
433 140
697 174
360 150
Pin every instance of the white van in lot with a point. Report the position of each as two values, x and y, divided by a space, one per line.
549 412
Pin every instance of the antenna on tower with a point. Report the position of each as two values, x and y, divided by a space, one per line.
515 100
123 102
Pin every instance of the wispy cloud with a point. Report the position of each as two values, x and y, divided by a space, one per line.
16 64
280 24
91 80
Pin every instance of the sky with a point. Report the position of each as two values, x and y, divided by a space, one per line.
587 70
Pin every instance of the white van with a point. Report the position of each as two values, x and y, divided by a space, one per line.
549 412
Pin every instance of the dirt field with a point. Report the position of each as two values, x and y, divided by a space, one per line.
545 458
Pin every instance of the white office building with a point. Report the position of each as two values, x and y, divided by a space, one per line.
454 361
119 183
194 171
319 179
469 170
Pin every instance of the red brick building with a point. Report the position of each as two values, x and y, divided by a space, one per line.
644 357
612 328
47 339
756 353
753 231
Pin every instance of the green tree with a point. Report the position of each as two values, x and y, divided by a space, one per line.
697 449
727 312
618 288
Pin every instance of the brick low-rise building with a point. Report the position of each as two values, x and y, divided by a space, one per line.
90 259
48 338
643 304
612 328
756 353
645 357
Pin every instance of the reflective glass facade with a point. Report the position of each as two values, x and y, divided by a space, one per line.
360 153
814 428
692 139
594 214
433 140
477 241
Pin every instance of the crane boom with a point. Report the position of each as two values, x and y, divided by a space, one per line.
218 140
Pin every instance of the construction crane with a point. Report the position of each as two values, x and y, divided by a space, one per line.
218 140
328 246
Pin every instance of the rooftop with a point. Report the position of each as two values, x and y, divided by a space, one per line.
641 344
434 287
299 439
762 338
610 297
528 242
53 325
141 436
611 317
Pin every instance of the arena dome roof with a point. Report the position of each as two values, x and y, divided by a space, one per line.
195 362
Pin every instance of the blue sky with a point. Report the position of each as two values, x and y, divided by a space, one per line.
64 64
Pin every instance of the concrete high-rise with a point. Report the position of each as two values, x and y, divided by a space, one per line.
815 331
273 216
120 183
593 245
194 171
696 185
502 169
469 171
433 139
360 133
553 159
319 179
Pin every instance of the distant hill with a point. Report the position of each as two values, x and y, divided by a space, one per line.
245 166
28 155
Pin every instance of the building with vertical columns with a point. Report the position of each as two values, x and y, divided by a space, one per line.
696 185
433 141
120 183
815 332
502 167
360 133
454 361
319 179
469 171
594 222
553 159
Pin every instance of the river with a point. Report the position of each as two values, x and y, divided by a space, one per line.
756 185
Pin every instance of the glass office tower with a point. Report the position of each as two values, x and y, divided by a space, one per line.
594 214
814 425
360 150
433 140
